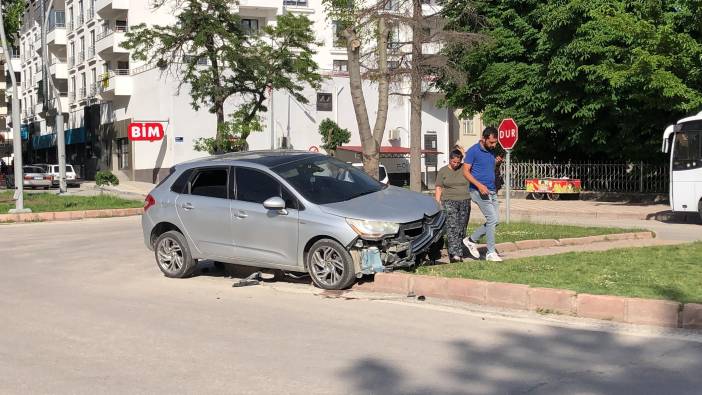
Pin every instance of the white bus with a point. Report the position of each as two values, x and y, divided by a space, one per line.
684 143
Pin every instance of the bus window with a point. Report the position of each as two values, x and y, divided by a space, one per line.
687 153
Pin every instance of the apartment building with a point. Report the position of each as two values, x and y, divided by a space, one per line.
102 91
6 135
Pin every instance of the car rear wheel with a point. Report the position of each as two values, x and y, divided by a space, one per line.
173 255
330 265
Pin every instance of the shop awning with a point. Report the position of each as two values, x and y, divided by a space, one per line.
387 151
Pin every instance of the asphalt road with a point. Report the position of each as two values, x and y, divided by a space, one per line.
84 309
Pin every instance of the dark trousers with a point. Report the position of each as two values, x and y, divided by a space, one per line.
457 215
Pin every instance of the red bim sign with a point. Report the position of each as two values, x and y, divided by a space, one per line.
145 131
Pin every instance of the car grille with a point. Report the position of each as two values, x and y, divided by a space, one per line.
421 233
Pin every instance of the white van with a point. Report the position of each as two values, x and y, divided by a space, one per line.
382 172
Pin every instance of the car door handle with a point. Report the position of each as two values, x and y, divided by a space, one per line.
188 206
242 214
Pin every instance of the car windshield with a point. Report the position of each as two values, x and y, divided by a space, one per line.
323 180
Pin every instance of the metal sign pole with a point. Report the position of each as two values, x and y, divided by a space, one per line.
508 181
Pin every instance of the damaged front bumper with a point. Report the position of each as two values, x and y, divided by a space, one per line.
413 241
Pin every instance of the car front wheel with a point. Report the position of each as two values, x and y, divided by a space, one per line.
173 255
330 265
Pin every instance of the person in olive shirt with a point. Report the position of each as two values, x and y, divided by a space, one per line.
452 193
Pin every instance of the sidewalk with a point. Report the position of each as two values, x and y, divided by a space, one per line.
528 209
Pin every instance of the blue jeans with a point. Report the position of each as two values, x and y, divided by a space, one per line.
491 211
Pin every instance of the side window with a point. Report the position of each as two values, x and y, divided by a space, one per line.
255 187
211 183
181 184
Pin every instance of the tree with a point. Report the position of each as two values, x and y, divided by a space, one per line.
397 61
209 51
333 135
359 22
12 11
585 79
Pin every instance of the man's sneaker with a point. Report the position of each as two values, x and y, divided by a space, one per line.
493 257
472 248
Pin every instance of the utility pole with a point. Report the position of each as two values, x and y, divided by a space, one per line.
16 136
51 87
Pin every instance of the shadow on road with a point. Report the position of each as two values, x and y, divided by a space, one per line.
562 361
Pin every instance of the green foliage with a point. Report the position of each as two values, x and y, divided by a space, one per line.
584 79
229 135
12 11
216 59
333 135
45 202
105 177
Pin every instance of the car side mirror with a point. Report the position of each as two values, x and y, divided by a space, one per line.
275 203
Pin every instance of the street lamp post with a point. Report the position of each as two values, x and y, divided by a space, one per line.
16 136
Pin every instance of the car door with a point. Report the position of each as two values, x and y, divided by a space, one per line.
262 236
204 209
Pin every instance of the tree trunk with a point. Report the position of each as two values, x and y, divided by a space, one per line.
383 82
416 100
370 147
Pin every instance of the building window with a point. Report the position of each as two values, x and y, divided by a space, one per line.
249 26
392 5
324 101
123 153
341 65
393 64
339 39
467 127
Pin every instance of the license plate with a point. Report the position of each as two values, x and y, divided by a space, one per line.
38 178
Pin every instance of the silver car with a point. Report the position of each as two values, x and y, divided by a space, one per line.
288 210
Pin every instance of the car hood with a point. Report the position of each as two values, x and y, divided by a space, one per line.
391 204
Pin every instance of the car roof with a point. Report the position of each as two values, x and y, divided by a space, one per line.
268 158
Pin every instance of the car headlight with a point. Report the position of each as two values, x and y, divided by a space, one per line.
373 229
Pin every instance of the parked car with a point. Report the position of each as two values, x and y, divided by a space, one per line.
291 210
382 172
71 176
36 177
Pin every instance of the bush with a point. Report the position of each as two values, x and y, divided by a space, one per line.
105 177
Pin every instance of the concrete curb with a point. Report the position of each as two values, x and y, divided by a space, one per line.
546 243
653 312
69 215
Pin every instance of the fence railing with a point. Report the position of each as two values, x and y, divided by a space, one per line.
597 177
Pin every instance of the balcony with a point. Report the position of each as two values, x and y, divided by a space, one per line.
91 53
56 37
268 6
111 7
115 83
110 40
79 21
69 27
59 69
56 33
71 97
38 108
80 57
63 97
71 62
82 94
90 14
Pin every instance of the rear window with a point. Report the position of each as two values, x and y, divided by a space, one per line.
382 173
33 170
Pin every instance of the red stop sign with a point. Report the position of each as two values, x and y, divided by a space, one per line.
508 133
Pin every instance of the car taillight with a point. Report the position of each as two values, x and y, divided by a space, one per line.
49 178
27 177
148 202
